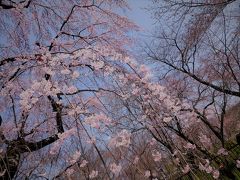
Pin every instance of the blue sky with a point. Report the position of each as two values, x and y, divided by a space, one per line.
140 15
143 19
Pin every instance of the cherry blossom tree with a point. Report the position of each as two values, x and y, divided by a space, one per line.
58 60
75 104
195 46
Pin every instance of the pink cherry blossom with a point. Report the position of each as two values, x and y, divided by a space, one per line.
238 163
115 169
147 174
122 139
70 171
215 174
190 146
83 163
93 174
75 157
156 155
186 169
222 151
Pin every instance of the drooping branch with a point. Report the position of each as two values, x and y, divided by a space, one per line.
13 4
193 4
7 60
200 80
34 146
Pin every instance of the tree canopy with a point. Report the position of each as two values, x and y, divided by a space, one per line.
76 104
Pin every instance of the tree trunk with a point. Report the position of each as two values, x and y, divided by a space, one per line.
9 164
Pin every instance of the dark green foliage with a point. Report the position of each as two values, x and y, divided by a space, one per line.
225 164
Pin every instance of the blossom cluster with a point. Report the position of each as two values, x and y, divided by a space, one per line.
122 139
96 120
209 169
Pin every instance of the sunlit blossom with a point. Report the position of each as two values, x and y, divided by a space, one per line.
93 174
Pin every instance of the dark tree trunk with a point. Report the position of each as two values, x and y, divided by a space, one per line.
9 164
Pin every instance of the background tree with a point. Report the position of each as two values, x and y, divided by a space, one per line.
196 47
75 104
